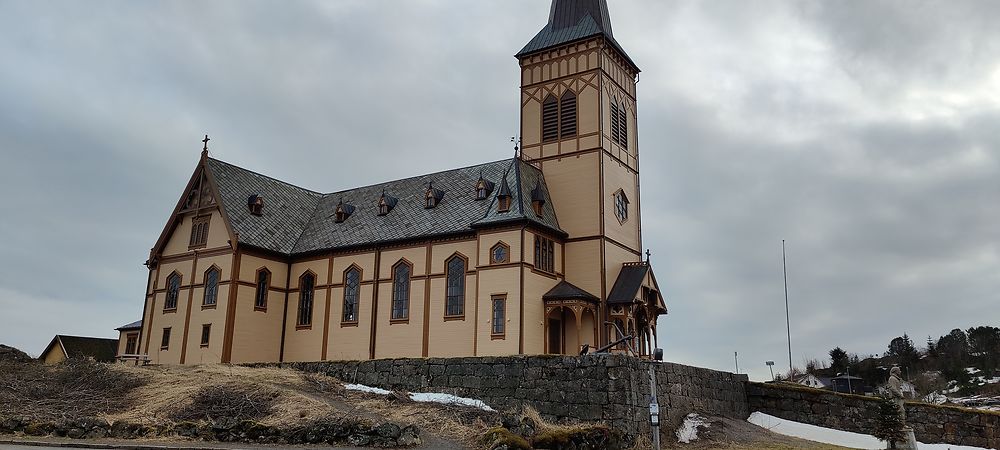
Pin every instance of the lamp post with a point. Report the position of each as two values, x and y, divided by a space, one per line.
770 366
788 322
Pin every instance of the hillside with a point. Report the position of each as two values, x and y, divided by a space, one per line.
260 405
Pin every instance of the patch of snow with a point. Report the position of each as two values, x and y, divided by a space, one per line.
449 399
835 437
688 430
935 398
971 370
369 389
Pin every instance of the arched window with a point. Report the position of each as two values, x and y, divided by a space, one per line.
455 302
263 284
559 117
567 115
550 119
306 285
401 291
173 291
352 288
211 287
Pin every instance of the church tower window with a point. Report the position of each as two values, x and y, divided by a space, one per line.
306 292
621 206
401 291
352 281
455 301
559 117
623 126
173 291
550 119
567 115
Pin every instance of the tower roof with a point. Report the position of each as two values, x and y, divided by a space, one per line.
574 20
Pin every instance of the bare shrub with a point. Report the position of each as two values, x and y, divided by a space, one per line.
229 402
74 388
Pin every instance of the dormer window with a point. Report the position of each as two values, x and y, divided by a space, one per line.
256 204
343 211
537 200
483 188
433 196
385 203
503 197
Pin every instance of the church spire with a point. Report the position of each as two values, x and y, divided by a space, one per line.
571 21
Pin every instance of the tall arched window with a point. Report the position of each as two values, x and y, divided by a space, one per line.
211 287
352 282
306 288
401 291
455 302
263 284
173 291
559 117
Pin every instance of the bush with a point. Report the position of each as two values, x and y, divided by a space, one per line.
228 402
71 389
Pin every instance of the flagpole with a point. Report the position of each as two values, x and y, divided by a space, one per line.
788 323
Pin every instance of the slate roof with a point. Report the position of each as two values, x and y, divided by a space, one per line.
132 326
574 20
287 208
299 221
567 291
102 350
628 283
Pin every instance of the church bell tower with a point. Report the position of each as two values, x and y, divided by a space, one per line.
578 125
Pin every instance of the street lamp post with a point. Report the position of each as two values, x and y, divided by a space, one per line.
770 366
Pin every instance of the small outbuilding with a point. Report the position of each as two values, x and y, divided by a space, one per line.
64 347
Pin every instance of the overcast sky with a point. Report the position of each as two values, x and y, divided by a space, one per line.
867 134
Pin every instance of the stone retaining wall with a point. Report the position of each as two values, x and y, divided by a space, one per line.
931 423
613 389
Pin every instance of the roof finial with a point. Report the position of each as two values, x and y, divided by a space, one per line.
204 150
517 145
647 255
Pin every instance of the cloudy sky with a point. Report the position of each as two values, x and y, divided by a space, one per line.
866 134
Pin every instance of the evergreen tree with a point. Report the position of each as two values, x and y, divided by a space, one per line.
903 352
888 425
839 360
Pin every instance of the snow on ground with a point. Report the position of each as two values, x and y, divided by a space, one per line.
363 388
835 437
449 399
426 397
688 430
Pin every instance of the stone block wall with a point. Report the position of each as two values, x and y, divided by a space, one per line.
613 389
931 424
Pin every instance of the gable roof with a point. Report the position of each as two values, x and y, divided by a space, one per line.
298 221
574 20
628 283
567 291
131 326
101 349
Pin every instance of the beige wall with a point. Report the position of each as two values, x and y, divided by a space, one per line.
401 337
177 243
54 356
575 190
452 337
350 341
583 265
499 281
617 176
535 286
123 341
